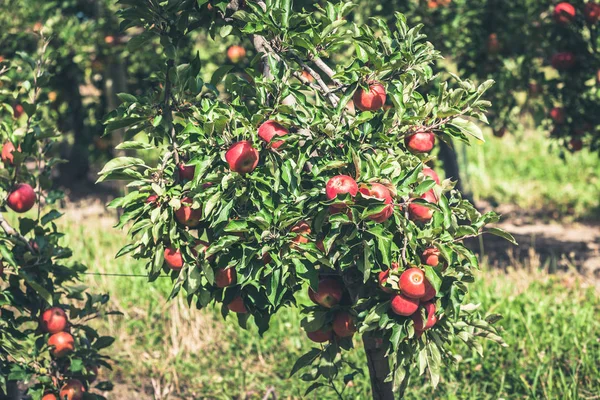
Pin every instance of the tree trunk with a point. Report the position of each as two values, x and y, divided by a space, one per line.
379 369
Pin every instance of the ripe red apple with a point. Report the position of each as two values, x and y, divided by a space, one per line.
173 258
412 283
302 228
419 213
186 172
564 13
372 99
343 325
563 61
22 198
186 215
18 110
383 276
152 199
592 12
49 396
268 130
432 174
420 142
328 294
576 144
54 320
266 258
237 305
379 192
429 292
404 306
431 256
72 390
431 318
236 53
558 115
306 75
62 343
225 277
493 44
340 185
7 153
320 336
242 157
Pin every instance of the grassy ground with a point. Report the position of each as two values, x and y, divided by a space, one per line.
523 169
166 350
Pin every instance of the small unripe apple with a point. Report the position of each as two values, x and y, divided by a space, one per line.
420 213
54 320
61 343
302 228
564 13
340 185
343 325
328 294
320 336
412 283
72 390
242 157
7 153
431 318
563 61
592 12
18 110
237 306
370 100
186 172
236 53
420 142
225 277
380 192
383 277
404 306
186 215
558 115
22 198
173 258
268 130
432 174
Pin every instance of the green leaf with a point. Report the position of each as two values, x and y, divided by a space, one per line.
503 234
305 360
468 127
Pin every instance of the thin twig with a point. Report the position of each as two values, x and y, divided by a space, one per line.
13 232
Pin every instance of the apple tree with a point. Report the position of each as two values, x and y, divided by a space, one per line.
269 183
47 348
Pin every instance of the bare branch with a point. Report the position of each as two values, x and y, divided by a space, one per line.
13 232
326 69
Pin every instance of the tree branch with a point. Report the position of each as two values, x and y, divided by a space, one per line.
10 231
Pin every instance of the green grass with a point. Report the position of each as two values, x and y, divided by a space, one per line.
524 169
550 325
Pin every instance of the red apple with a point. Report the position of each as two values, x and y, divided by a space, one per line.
563 61
54 320
242 157
564 13
343 325
268 130
340 185
237 305
493 44
49 396
7 153
22 198
302 228
72 390
225 277
379 192
186 172
152 199
404 306
412 283
432 174
186 215
329 293
320 336
61 343
431 318
173 258
592 12
420 213
576 144
370 100
236 53
18 110
420 142
558 115
383 276
430 292
431 257
499 132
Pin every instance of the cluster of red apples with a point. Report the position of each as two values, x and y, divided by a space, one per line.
55 322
